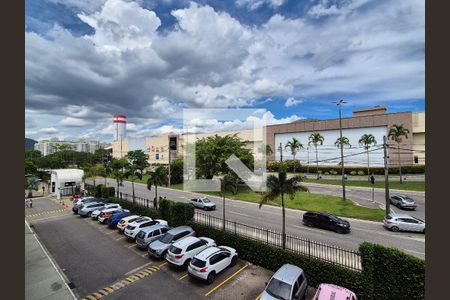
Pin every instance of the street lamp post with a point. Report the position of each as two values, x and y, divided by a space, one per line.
339 104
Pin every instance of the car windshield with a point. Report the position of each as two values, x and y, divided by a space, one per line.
206 200
198 263
418 219
408 199
166 238
140 220
388 217
279 289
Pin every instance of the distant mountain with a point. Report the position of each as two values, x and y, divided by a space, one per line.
29 143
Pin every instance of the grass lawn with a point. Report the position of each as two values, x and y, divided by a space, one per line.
406 185
309 201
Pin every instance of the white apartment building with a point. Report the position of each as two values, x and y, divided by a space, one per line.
47 147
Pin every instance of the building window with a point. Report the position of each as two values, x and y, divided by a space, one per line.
416 159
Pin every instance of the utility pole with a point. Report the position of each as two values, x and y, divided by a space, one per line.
170 150
281 152
386 176
339 103
307 166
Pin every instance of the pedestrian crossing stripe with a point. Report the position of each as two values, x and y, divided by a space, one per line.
121 284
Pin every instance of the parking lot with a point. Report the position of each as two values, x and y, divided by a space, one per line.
101 263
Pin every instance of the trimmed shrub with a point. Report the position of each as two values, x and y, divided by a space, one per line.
181 213
353 173
360 172
164 208
393 274
107 191
327 173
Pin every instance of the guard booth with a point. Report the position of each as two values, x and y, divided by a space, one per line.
65 182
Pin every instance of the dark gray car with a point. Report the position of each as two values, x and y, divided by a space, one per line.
159 247
150 234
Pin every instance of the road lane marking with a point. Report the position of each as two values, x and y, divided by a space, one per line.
47 218
226 280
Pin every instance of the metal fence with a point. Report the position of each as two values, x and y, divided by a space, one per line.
350 259
127 197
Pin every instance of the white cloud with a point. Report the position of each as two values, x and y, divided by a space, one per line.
73 122
255 4
292 102
49 130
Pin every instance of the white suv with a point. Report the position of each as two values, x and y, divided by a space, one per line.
211 261
181 252
97 212
133 228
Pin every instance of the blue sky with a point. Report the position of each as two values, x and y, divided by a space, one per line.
89 59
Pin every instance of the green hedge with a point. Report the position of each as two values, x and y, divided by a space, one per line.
103 191
387 273
272 166
394 274
176 213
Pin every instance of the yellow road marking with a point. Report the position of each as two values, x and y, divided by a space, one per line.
259 296
97 295
131 246
111 232
161 265
226 280
110 290
182 277
121 238
145 254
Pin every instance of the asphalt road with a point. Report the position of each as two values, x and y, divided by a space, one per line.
270 217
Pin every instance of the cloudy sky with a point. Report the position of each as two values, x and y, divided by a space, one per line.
89 59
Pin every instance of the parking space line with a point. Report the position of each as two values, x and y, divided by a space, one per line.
144 254
121 238
184 276
131 246
161 265
111 232
259 296
226 280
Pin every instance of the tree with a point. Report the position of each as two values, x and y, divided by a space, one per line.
176 170
228 182
137 162
396 132
212 152
265 149
95 171
157 177
344 141
32 154
294 145
30 167
117 171
316 139
278 187
31 183
366 141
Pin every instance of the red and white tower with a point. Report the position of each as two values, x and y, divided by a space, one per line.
120 127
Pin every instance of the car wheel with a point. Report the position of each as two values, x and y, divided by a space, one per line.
164 255
233 261
211 277
205 208
394 228
89 214
186 263
423 231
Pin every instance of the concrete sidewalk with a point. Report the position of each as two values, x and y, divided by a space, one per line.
43 280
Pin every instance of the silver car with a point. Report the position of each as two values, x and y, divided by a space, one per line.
289 282
149 234
159 247
97 212
396 222
203 203
403 201
87 209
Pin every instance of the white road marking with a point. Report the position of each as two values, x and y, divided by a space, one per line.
53 217
138 268
236 213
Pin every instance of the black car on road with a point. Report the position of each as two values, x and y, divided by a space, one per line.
326 221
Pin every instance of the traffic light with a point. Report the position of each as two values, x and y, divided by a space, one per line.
173 143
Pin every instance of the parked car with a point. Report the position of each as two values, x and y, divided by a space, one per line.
124 222
149 234
97 212
396 222
327 291
133 228
326 221
116 217
87 209
203 203
159 247
211 261
403 202
106 214
289 282
181 253
81 202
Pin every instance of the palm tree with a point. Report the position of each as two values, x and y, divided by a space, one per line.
278 186
344 141
117 166
367 140
158 177
316 139
137 162
228 182
95 171
265 149
294 146
396 132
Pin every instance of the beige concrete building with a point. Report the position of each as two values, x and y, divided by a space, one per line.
375 121
47 147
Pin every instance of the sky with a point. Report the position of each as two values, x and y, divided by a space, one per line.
86 60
